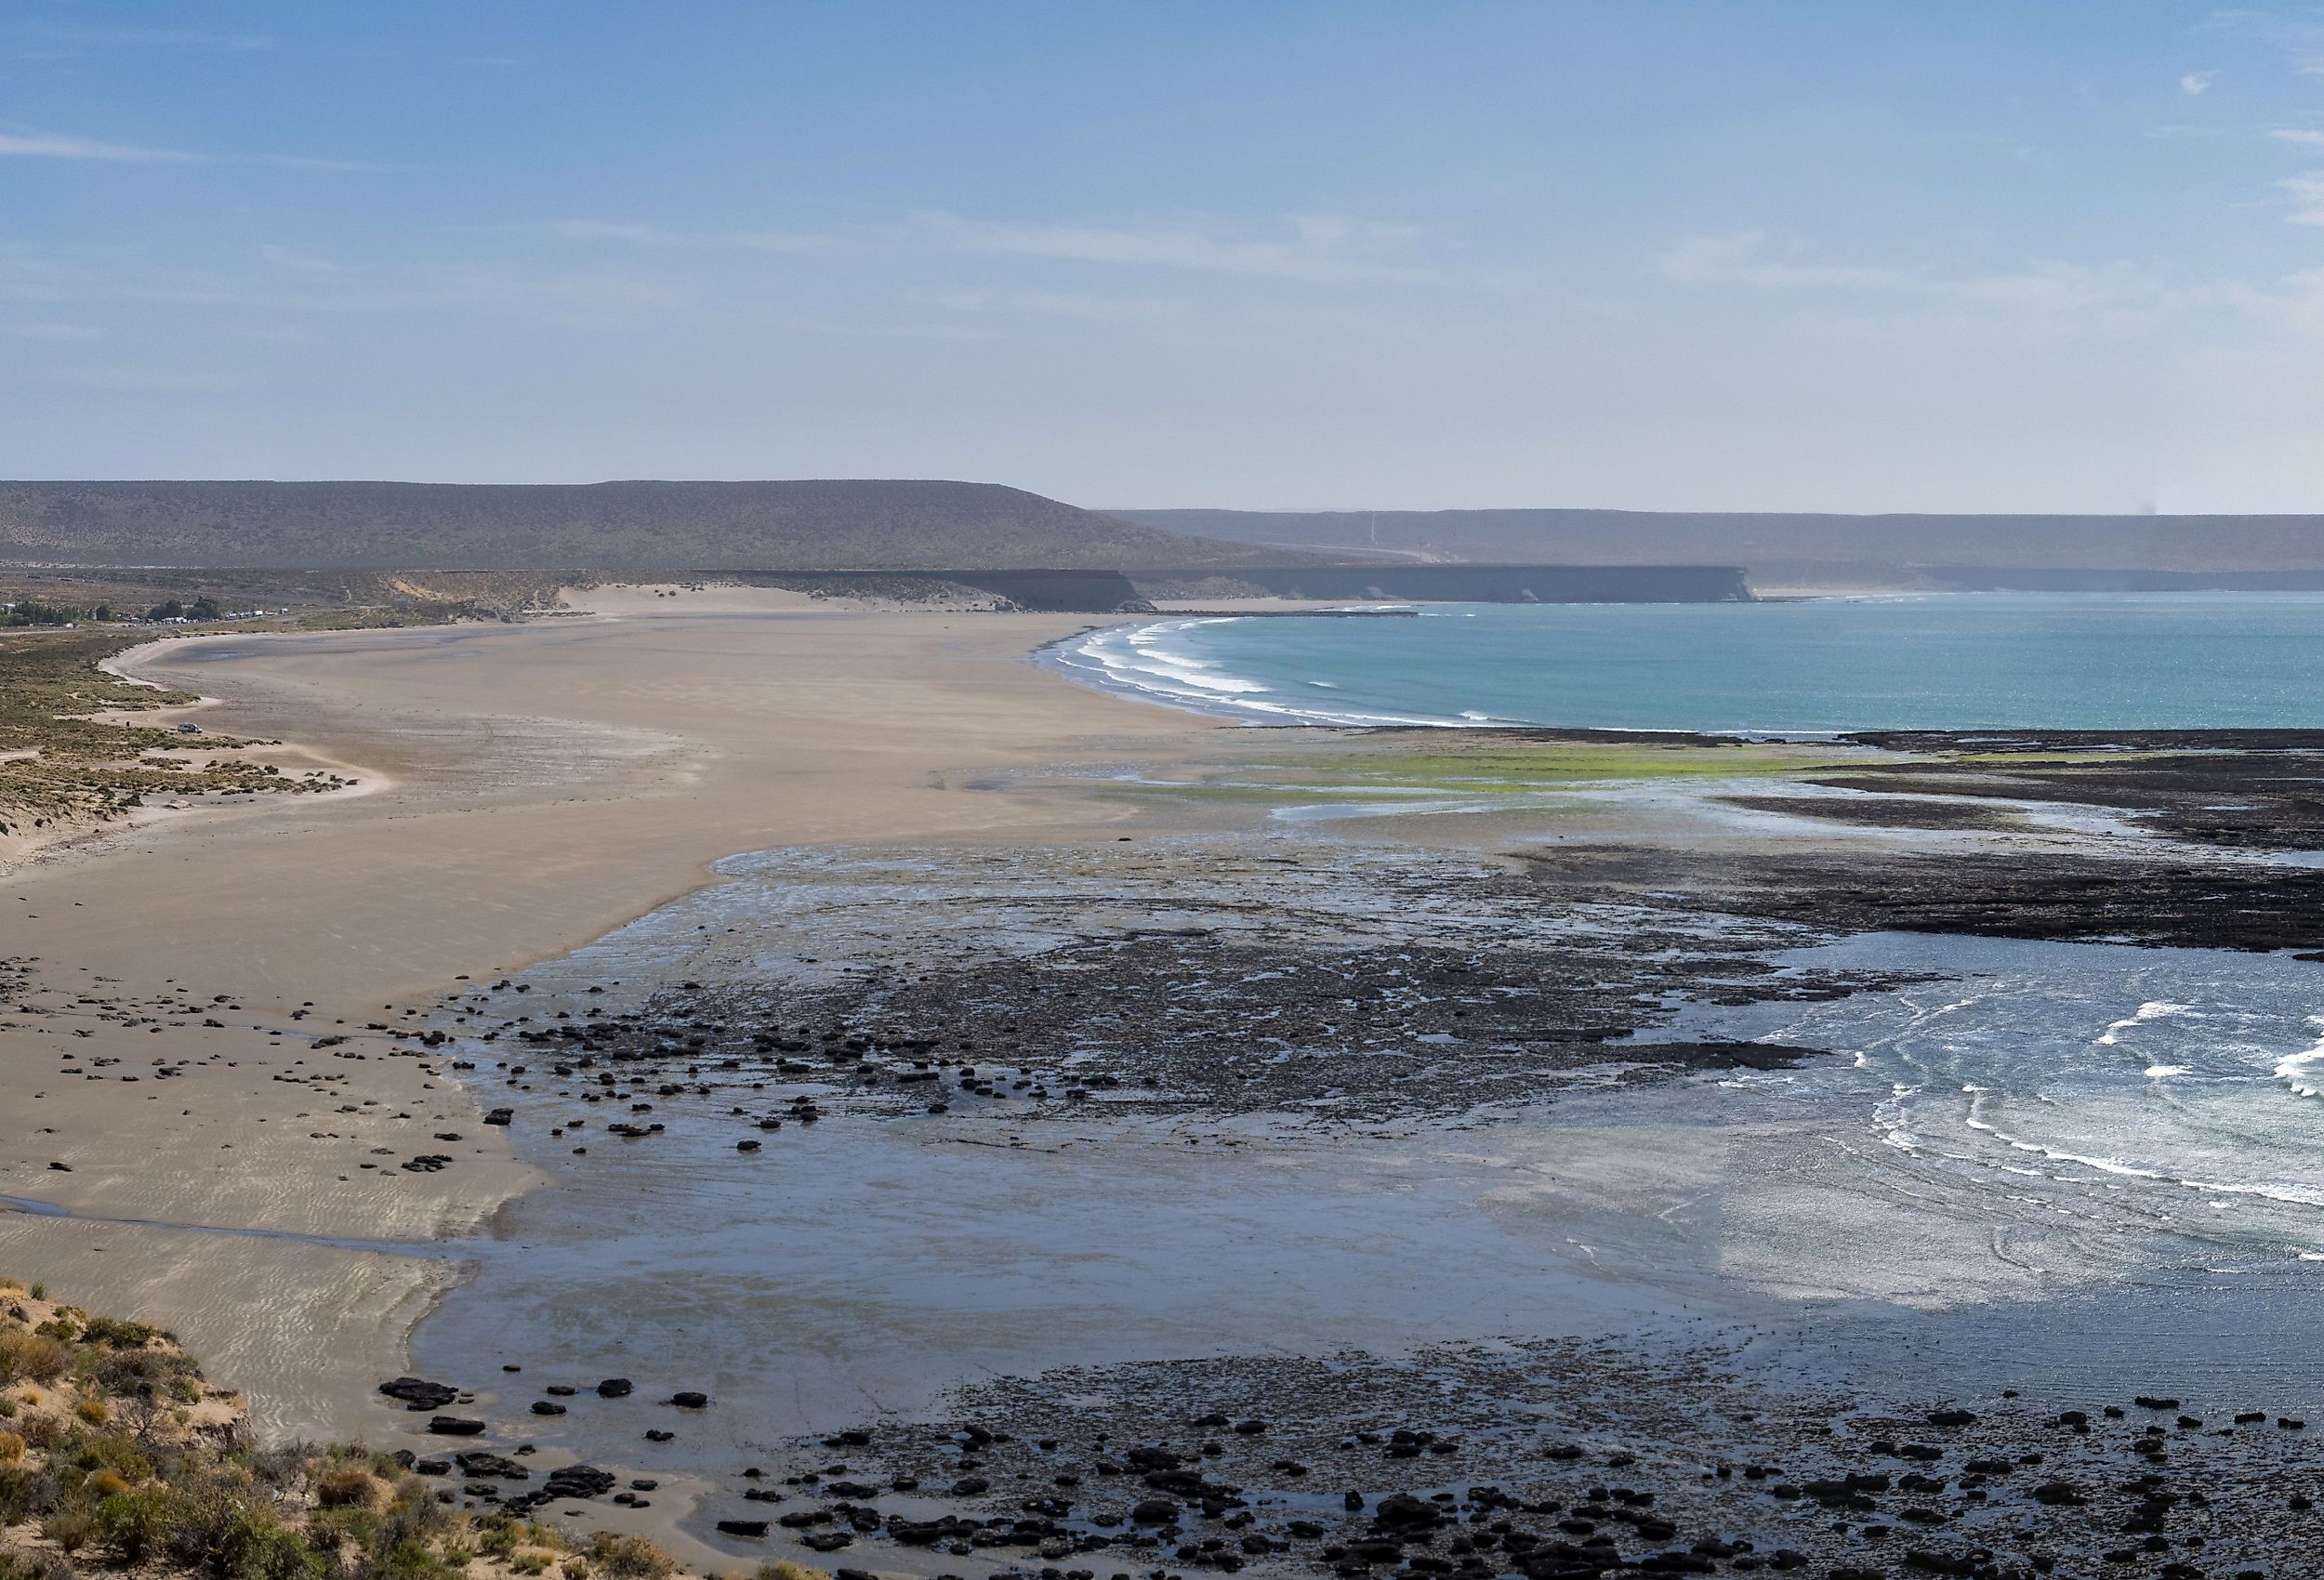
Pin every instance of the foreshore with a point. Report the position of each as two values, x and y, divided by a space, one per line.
534 785
1146 1100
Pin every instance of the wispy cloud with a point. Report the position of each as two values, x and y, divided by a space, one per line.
292 257
155 38
631 233
2299 39
1753 258
134 381
1058 304
27 143
1310 248
2037 289
2305 195
1313 248
56 145
2196 84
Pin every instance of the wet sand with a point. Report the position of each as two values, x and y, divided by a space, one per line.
530 787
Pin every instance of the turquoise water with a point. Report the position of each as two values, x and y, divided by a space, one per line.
1939 661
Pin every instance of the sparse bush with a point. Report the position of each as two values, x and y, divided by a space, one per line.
11 1448
347 1484
114 1453
530 1563
136 1371
21 1495
136 1524
784 1569
105 1485
283 1468
44 1430
32 1357
71 1527
628 1558
407 1560
96 1412
116 1333
217 1528
33 1566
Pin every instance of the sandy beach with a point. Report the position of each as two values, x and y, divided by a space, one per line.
526 788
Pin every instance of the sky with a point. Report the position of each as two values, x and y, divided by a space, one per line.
1894 255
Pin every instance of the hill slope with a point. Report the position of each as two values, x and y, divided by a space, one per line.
1819 547
673 526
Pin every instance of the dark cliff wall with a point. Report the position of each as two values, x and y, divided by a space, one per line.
1505 584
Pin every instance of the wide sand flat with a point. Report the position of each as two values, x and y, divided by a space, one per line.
528 788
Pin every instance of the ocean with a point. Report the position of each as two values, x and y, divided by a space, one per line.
1937 662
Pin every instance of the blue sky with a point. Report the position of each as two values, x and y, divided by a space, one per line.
1772 255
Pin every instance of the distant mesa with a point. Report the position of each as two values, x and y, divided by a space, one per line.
606 526
1798 549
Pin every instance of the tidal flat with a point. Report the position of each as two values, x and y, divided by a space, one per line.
1696 1186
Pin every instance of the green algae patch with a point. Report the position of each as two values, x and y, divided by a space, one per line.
1565 764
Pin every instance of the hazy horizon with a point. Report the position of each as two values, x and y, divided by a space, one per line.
1805 257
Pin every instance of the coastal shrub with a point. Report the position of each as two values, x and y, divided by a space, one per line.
347 1484
72 1526
284 1467
784 1569
628 1558
137 1371
32 1357
217 1530
33 1566
116 1333
408 1559
136 1524
44 1430
111 1451
21 1496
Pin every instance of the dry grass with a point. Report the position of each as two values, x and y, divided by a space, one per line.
32 1357
120 1454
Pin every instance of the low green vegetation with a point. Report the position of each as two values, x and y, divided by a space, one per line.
1481 767
32 611
60 768
1501 764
